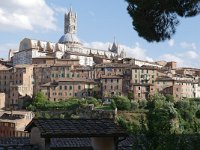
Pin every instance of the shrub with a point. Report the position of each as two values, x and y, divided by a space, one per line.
142 104
92 100
134 105
122 103
113 105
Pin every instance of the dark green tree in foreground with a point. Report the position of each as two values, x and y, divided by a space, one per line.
156 20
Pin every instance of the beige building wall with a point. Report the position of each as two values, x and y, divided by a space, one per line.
2 100
22 84
111 86
62 90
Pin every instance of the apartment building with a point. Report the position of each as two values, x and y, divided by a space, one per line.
62 89
21 84
111 86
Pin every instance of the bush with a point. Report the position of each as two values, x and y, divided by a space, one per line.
113 105
142 104
122 103
92 100
134 105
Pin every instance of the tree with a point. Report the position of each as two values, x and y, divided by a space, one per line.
39 100
156 20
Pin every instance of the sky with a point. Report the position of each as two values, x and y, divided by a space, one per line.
99 21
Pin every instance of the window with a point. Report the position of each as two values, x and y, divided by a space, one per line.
152 81
70 87
105 87
77 75
117 80
138 94
63 75
52 75
111 80
61 87
79 87
135 81
106 80
136 71
72 75
142 71
139 88
75 94
135 76
68 75
152 76
111 87
65 87
56 75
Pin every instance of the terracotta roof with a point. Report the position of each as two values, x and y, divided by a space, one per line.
76 128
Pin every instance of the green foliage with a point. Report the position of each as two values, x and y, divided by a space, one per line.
134 105
198 114
142 104
122 102
170 98
113 105
156 20
92 100
130 95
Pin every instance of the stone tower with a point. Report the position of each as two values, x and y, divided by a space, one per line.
70 22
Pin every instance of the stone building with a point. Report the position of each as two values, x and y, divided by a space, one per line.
62 89
22 84
13 124
68 46
16 82
111 86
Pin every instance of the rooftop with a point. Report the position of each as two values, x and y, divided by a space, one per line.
58 128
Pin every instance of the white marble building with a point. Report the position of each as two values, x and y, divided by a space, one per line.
69 42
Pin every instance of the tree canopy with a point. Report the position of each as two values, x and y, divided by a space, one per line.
156 20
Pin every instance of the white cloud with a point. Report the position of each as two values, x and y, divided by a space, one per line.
187 58
4 48
171 42
26 14
186 45
136 51
58 9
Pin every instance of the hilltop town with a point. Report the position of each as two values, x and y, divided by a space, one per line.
67 70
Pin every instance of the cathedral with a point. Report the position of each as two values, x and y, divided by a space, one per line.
68 47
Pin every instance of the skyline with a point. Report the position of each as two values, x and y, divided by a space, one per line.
97 27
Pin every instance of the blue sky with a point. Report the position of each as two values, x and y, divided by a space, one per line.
99 21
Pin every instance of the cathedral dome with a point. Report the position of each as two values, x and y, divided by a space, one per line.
69 38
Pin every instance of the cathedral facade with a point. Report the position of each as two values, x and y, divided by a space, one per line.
68 47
